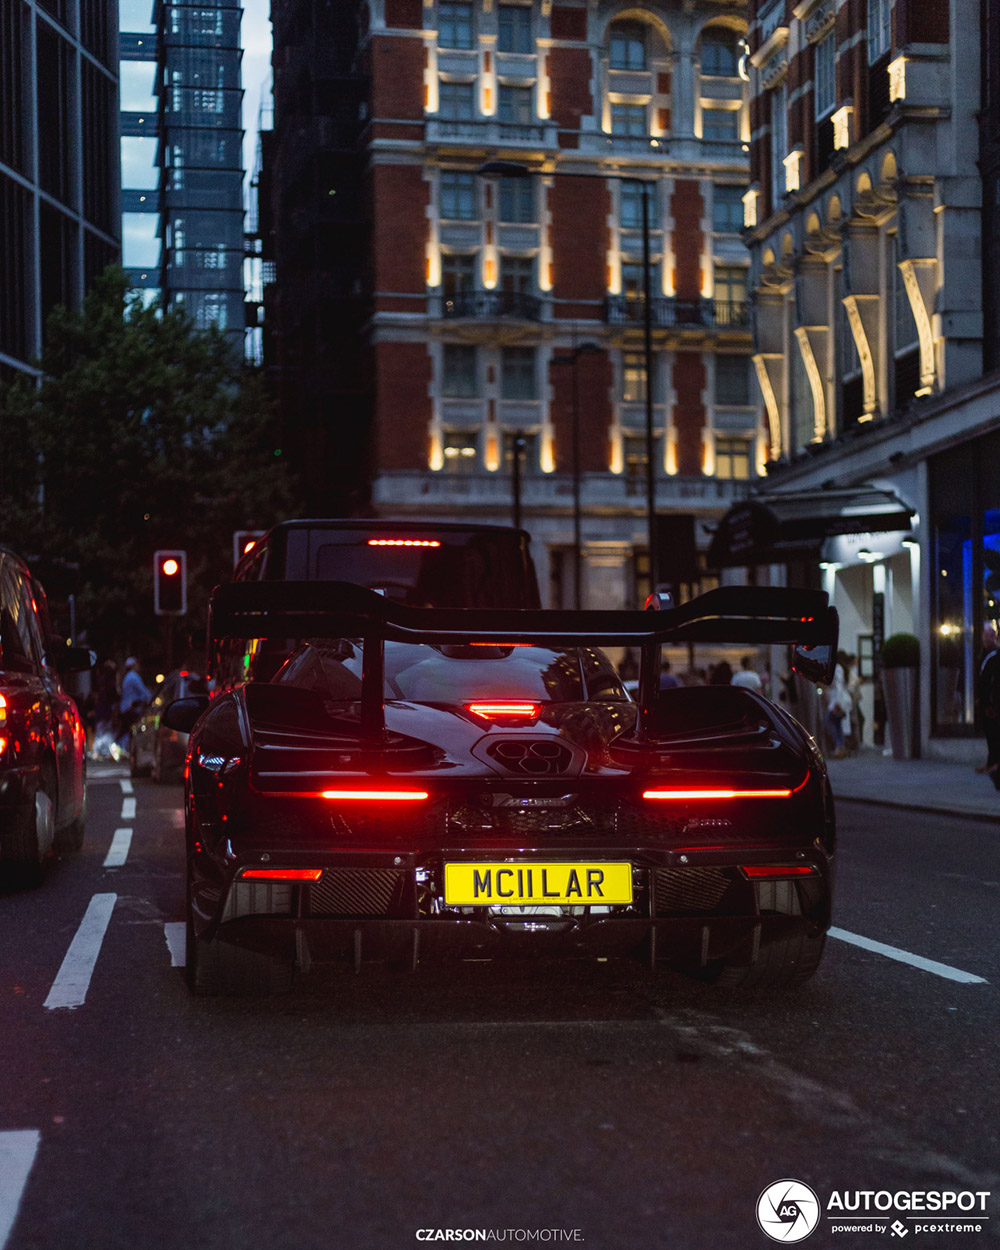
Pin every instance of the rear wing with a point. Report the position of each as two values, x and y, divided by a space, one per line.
758 615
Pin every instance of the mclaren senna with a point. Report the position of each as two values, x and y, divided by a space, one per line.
427 783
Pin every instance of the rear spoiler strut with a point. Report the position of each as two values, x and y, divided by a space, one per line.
801 619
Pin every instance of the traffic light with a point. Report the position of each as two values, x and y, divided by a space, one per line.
170 583
243 540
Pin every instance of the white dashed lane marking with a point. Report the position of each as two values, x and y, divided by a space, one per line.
128 809
69 989
905 957
126 785
175 933
120 844
17 1155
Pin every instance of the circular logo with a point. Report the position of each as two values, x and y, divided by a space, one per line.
787 1211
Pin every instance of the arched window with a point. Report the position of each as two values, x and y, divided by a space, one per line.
629 46
720 52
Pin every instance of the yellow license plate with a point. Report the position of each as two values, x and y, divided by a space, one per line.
522 882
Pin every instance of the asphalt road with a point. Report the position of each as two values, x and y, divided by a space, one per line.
524 1104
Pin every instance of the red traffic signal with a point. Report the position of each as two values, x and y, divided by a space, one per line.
170 583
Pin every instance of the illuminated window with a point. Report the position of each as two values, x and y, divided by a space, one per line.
515 104
824 77
460 378
458 195
515 28
634 455
455 25
629 120
517 199
628 46
730 284
732 458
517 373
458 273
633 377
720 53
727 209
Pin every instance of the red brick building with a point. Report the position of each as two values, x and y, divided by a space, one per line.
505 149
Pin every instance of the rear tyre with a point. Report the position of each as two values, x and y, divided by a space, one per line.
781 964
216 968
28 841
71 838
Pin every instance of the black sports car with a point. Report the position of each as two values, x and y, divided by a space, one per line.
418 783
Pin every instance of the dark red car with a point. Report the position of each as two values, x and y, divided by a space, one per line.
43 794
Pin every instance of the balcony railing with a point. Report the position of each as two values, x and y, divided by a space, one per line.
668 313
491 305
493 132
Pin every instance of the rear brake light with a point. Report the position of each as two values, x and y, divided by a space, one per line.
3 710
392 796
403 542
3 745
758 871
281 874
716 794
496 709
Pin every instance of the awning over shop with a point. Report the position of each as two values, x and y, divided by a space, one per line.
772 529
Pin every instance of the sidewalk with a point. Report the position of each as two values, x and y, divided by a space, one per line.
923 785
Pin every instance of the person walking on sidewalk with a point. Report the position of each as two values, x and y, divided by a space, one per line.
837 720
988 698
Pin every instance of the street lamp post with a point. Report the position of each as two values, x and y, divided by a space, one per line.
584 349
514 169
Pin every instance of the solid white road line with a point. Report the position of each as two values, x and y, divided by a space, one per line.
126 785
69 989
904 957
17 1154
175 931
128 809
120 844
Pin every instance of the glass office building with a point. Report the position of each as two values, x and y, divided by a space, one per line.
182 163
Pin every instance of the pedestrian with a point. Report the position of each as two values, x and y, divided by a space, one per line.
837 719
134 698
746 676
988 700
668 680
106 712
856 732
721 674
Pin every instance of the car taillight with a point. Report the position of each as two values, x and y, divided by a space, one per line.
758 872
716 794
377 796
498 709
281 874
403 542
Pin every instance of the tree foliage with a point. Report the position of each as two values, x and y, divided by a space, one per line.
143 433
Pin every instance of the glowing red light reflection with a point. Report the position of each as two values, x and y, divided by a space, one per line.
716 794
778 870
281 874
377 796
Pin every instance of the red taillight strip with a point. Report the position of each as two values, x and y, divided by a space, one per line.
777 870
403 542
377 796
716 794
490 709
281 874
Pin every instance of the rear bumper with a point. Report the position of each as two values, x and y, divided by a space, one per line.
688 908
